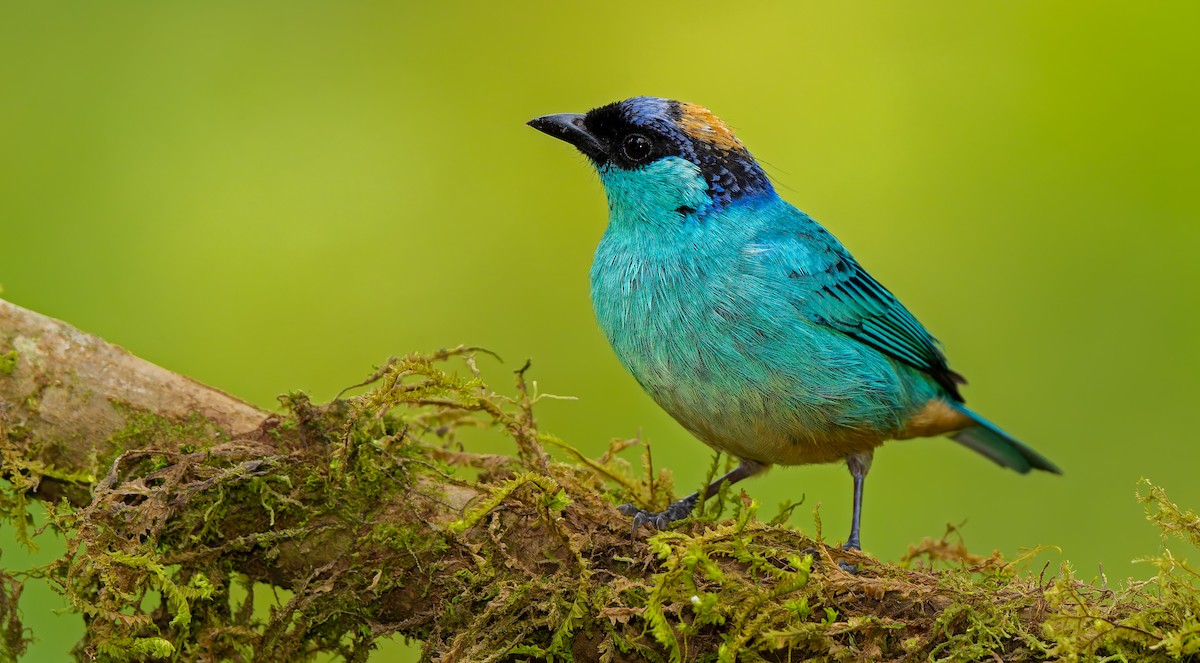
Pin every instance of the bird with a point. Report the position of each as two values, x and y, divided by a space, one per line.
745 319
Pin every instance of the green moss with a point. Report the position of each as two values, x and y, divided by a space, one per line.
8 362
146 430
553 496
134 649
537 565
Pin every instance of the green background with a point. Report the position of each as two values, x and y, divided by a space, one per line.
270 196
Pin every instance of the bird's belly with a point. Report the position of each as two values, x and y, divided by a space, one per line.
748 376
772 421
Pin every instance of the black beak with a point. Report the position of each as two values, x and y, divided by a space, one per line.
570 127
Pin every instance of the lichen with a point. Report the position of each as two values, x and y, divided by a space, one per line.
373 516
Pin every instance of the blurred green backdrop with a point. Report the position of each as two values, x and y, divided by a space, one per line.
277 195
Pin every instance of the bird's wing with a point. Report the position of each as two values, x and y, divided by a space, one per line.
835 291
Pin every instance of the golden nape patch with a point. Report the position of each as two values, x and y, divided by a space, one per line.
936 418
700 123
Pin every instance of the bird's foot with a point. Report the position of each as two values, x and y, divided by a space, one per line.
845 566
676 511
852 544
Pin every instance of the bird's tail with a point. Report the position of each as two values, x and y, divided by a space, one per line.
986 438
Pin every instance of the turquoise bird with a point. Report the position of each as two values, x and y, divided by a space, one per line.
745 319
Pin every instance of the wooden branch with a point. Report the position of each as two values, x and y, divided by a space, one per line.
371 515
68 392
77 409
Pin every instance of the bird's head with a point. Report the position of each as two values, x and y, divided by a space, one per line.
658 156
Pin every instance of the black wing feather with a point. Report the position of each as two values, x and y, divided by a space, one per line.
854 303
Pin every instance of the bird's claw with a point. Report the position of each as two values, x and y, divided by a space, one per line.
658 521
845 566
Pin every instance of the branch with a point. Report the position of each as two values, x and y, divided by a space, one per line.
67 395
371 512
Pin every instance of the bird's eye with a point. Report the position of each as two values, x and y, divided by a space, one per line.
636 147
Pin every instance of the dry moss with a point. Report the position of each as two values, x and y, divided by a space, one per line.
14 638
357 508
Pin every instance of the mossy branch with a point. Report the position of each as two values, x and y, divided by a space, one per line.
184 509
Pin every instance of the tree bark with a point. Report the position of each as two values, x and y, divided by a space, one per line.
68 392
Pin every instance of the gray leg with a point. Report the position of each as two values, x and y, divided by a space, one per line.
859 465
682 508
